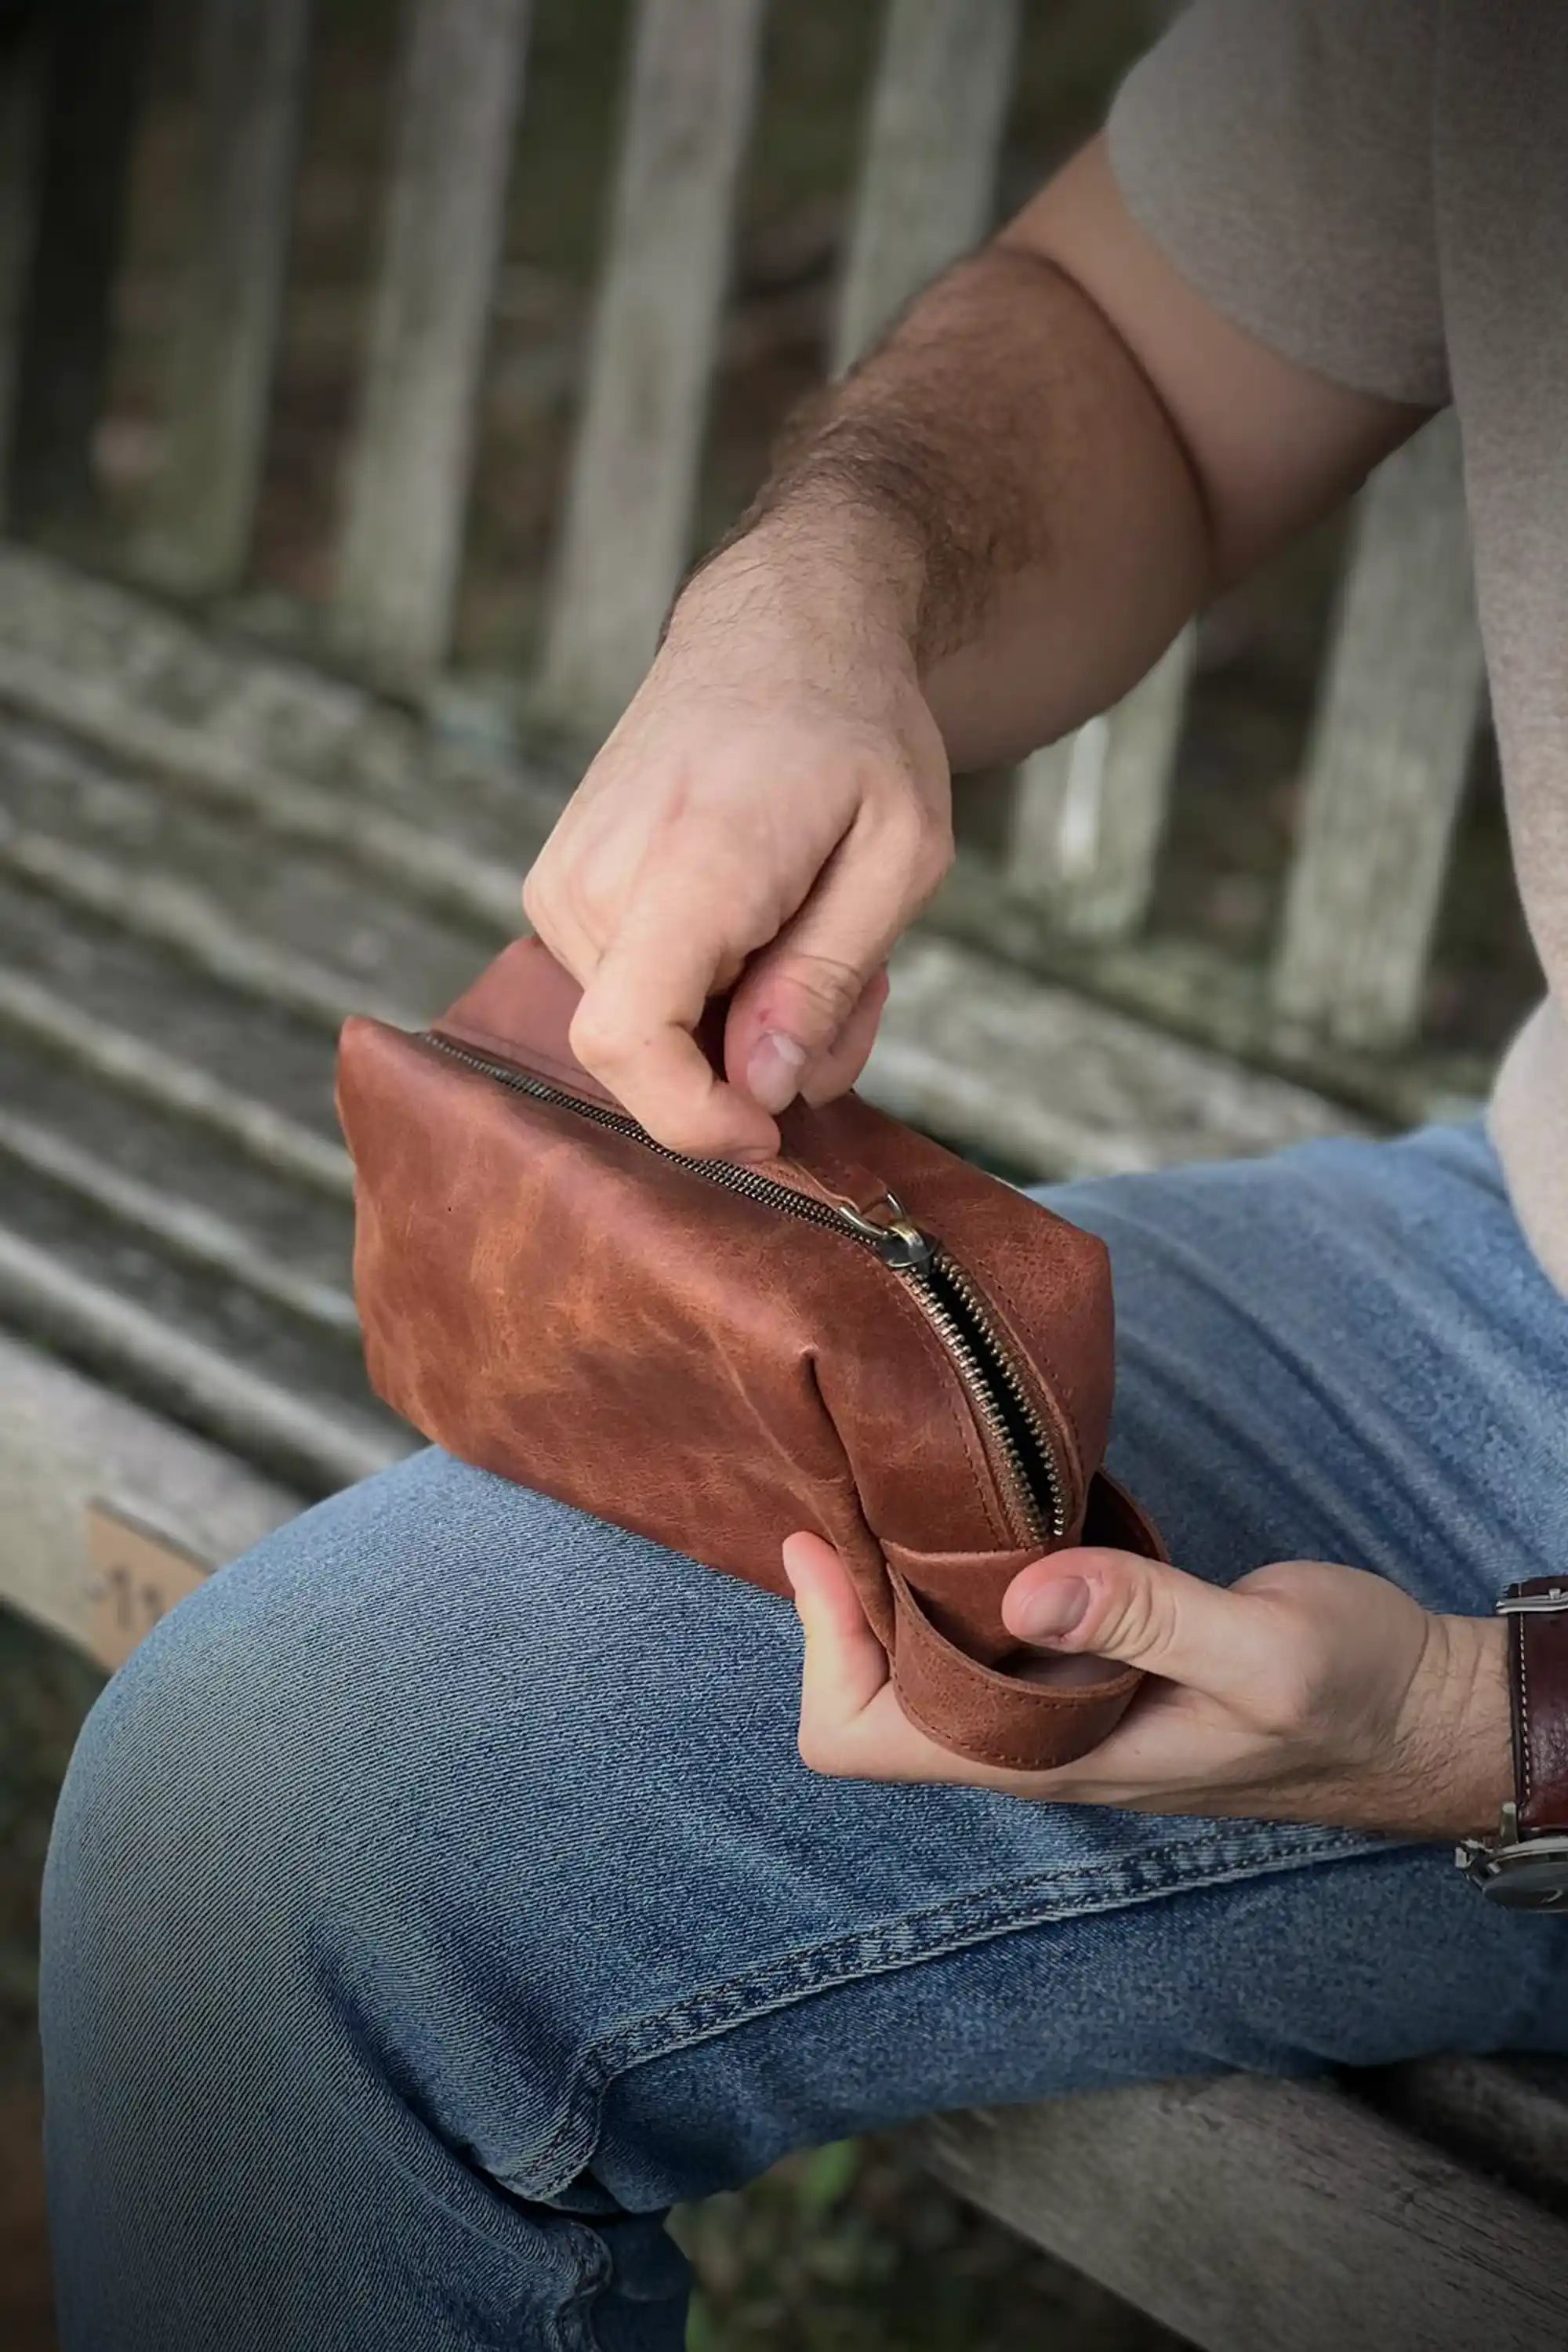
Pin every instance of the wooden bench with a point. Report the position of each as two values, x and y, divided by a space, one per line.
209 853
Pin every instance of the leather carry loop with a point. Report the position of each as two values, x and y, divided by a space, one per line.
1027 1725
1031 1726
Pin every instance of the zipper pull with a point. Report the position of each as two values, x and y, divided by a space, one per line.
897 1242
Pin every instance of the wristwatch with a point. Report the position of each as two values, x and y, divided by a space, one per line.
1526 1864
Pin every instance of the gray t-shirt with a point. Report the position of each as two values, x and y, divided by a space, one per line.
1378 189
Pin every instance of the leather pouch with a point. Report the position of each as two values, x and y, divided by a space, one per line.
866 1336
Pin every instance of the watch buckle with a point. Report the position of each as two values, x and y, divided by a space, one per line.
1554 1602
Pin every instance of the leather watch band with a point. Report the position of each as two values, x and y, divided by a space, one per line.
1538 1665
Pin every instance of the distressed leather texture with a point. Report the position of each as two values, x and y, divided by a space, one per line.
567 1308
1539 1661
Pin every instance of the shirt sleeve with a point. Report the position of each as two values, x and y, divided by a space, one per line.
1280 154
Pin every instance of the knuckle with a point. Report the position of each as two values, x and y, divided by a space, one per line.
825 988
932 851
537 896
940 864
1140 1622
599 1038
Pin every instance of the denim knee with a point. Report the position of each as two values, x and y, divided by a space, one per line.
190 1820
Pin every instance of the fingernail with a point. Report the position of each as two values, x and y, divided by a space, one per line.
772 1070
1052 1609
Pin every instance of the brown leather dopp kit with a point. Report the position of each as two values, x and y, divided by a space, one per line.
866 1336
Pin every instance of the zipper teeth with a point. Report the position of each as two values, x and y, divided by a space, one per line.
996 1362
761 1189
979 1354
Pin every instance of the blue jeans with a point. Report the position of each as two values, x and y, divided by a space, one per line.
437 1896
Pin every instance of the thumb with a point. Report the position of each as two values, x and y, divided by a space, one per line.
792 1017
805 1018
1141 1613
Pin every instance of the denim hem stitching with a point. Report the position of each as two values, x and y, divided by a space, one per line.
976 1919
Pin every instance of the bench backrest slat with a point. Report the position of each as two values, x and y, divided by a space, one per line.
1402 682
634 475
95 51
1396 716
23 89
1089 812
251 102
408 471
927 180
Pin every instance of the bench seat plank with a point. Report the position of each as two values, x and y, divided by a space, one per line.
1245 2213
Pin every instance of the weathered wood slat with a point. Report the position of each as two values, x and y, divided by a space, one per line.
251 97
197 926
65 1443
629 506
1245 2213
308 1441
408 475
23 89
196 761
1388 758
144 1073
1053 1083
927 183
1090 811
1187 988
1045 1079
1510 2115
183 1228
94 75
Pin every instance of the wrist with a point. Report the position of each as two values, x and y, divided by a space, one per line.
1455 1732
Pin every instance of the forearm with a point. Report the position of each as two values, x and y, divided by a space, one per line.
998 492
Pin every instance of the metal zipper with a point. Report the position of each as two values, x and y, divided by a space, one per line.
947 1296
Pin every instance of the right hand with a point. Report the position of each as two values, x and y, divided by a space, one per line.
770 814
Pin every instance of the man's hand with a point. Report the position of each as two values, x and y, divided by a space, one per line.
985 533
1304 1693
770 814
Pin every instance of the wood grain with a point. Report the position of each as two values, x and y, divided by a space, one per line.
629 506
1089 812
1246 2212
928 178
409 471
1396 713
251 102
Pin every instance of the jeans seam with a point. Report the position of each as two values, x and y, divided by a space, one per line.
1008 1906
571 2321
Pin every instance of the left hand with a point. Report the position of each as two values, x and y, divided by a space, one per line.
1304 1693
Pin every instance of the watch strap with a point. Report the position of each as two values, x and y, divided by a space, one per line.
1537 1613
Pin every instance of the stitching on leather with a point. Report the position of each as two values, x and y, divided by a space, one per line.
998 1756
946 1927
989 1678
